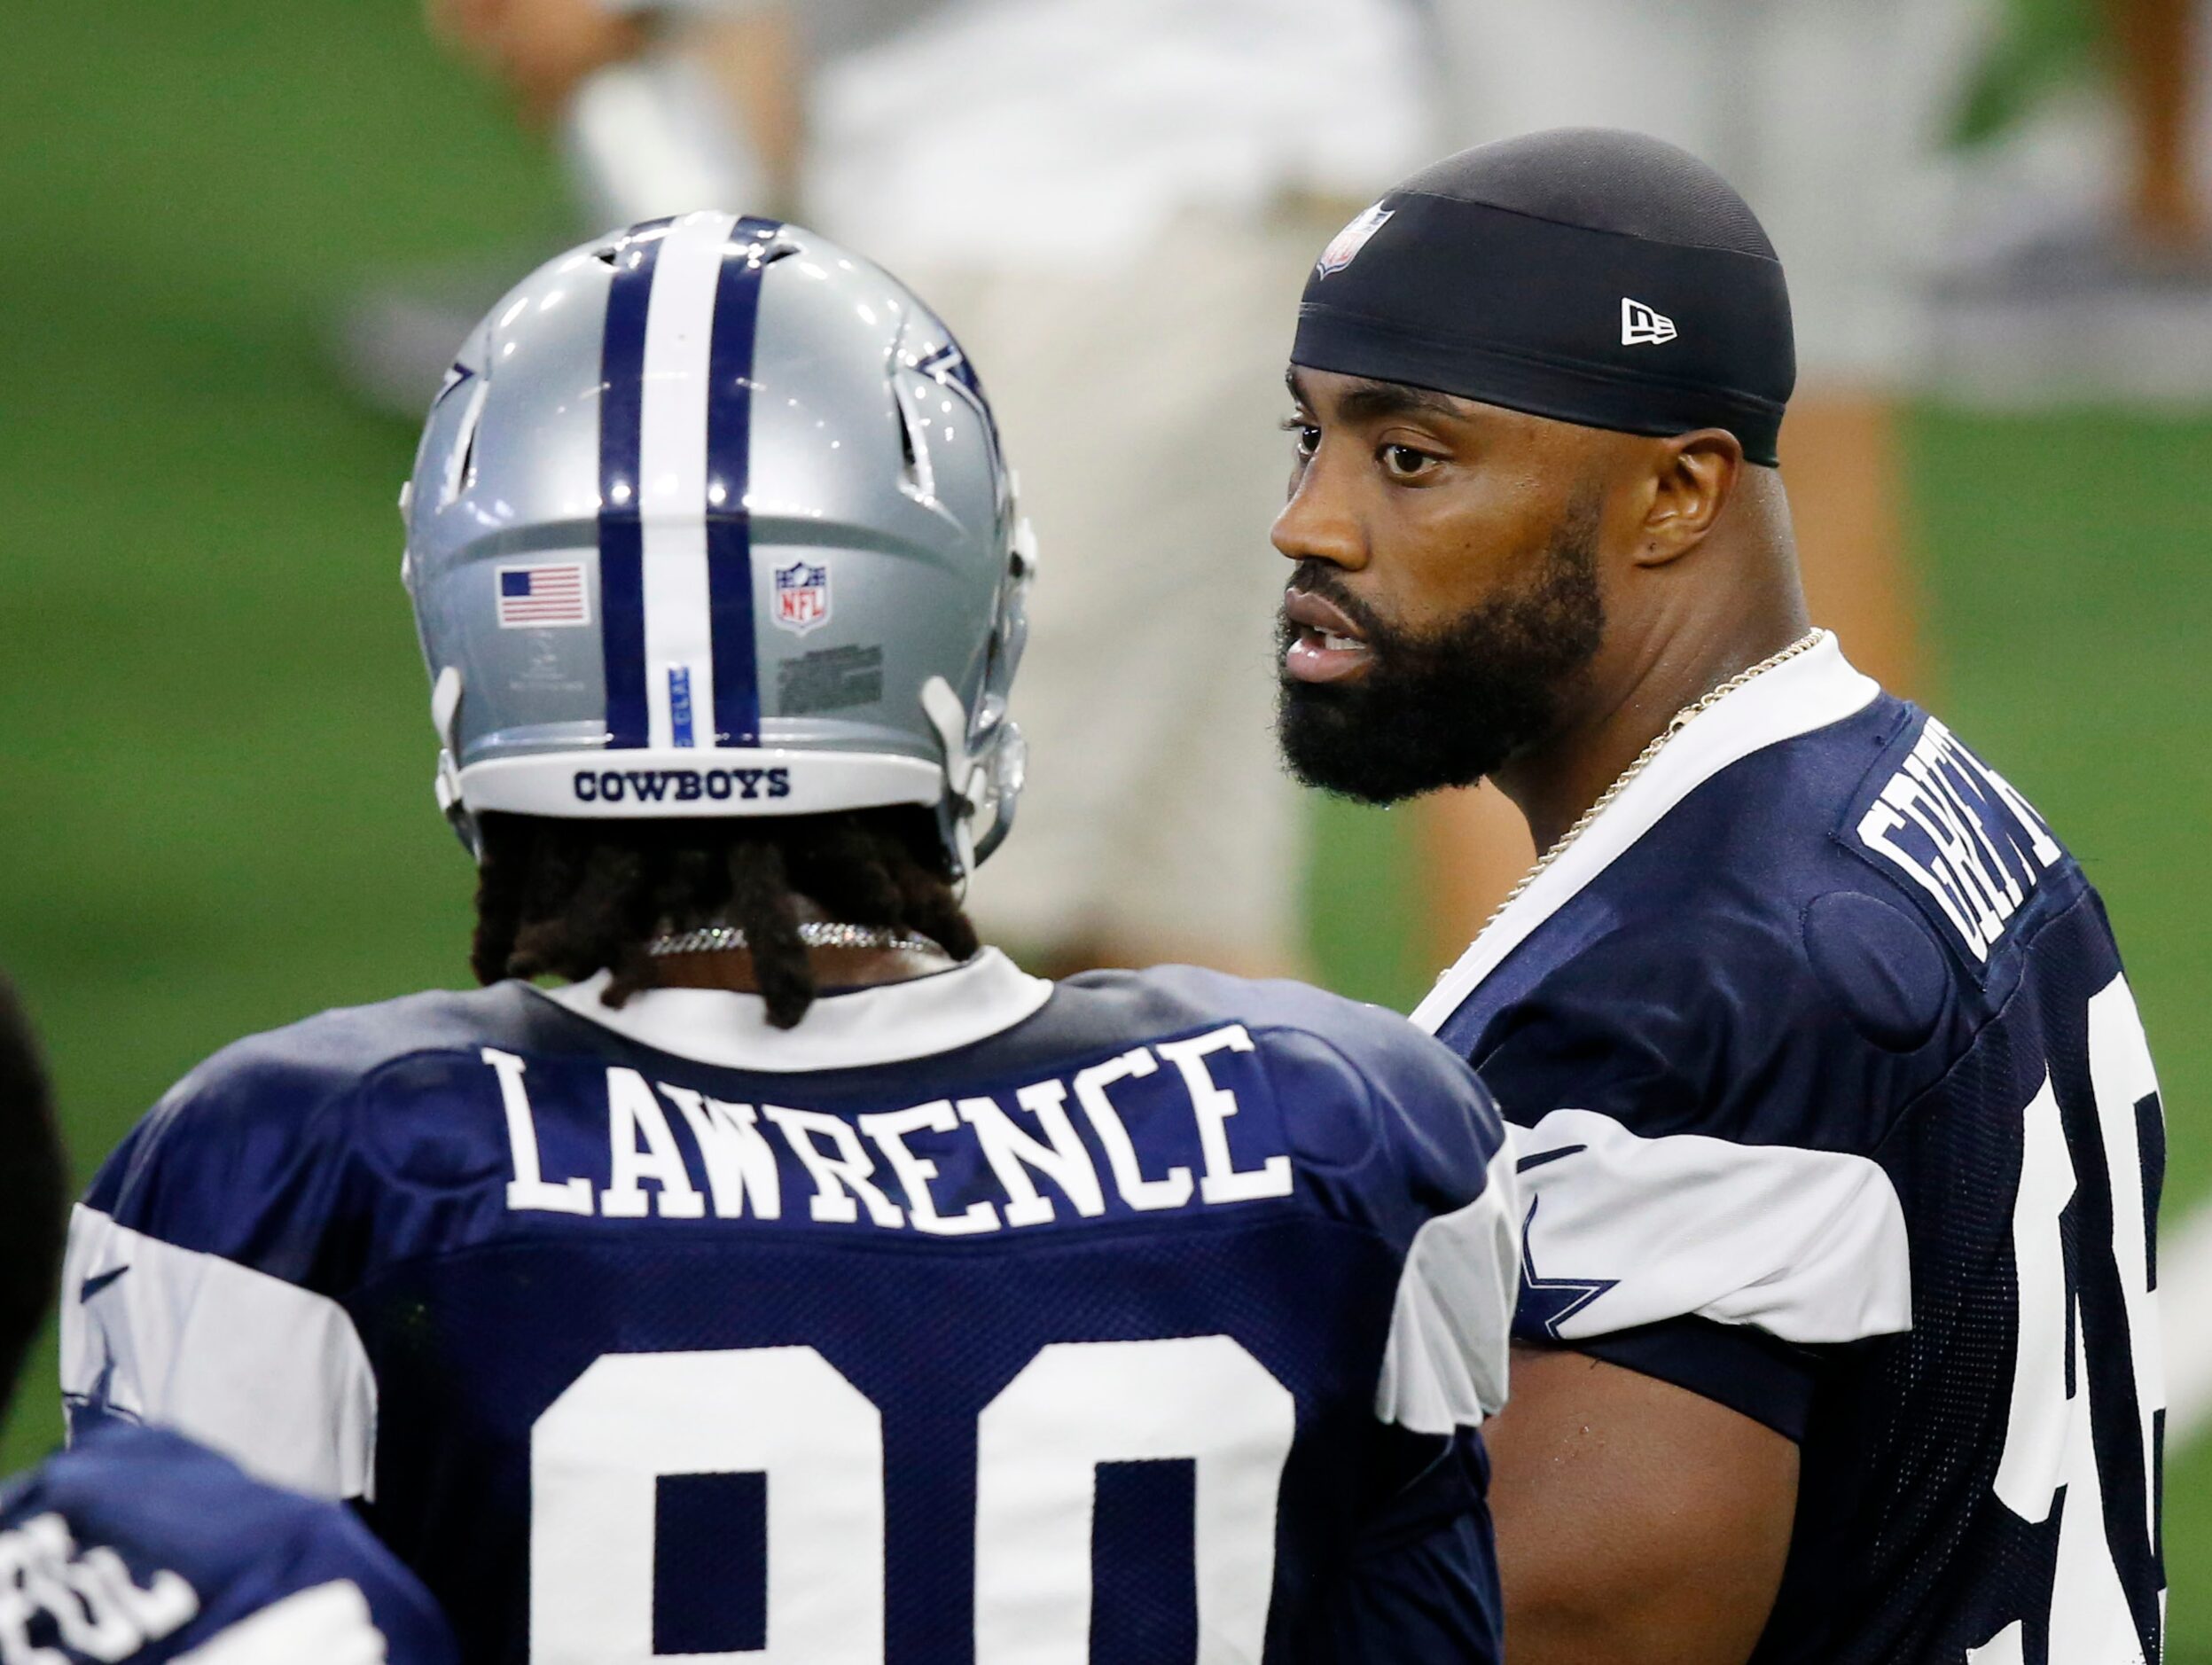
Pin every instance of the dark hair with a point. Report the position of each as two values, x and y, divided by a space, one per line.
34 1191
570 898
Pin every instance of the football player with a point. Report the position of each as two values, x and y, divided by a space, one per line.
1840 1138
137 1547
802 1278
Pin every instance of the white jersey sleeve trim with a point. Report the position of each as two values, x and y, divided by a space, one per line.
273 1376
1817 688
1443 1366
329 1624
1622 1230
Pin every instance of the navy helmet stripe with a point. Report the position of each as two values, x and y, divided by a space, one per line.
621 538
729 476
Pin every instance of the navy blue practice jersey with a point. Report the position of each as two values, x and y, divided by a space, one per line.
1833 1106
1141 1319
138 1547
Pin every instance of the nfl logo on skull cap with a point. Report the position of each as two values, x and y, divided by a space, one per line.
1345 245
802 596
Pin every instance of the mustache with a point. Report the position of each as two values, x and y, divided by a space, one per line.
1316 577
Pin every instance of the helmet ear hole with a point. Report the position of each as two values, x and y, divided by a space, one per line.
906 446
915 474
463 463
468 457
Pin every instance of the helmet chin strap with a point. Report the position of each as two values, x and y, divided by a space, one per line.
445 711
1009 757
968 783
997 776
950 718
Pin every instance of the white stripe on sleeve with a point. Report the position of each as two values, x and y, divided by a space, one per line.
272 1375
329 1624
1809 1246
1444 1365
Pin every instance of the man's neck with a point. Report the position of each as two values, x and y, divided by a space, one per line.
1638 685
834 968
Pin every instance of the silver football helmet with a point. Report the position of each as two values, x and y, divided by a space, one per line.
710 518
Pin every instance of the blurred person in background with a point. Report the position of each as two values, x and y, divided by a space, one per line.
659 104
1827 113
2159 45
1113 202
137 1547
656 107
2152 54
2082 270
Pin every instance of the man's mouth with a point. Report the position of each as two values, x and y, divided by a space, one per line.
1326 645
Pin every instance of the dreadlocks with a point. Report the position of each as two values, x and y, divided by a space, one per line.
572 898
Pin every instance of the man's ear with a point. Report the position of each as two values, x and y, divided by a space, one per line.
1694 477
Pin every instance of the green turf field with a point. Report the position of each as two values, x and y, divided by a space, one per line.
218 756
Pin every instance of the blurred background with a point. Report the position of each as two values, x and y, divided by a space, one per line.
254 231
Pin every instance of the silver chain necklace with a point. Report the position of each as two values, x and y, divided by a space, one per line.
1680 721
720 939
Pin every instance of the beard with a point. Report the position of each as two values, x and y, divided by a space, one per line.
1449 708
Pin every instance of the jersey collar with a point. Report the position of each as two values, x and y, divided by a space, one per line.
888 1024
1817 688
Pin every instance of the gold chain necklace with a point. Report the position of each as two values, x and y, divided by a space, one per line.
1680 721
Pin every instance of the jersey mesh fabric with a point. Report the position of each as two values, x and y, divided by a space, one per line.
378 1144
1935 1401
1675 995
931 1337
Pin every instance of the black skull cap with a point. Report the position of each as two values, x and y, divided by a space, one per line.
1590 275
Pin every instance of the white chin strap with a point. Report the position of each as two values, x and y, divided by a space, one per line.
445 712
965 785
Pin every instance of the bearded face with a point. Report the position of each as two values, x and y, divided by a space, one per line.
1430 709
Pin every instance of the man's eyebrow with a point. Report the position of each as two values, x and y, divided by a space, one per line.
1371 401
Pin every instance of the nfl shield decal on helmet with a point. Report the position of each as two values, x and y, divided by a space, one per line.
1346 244
802 596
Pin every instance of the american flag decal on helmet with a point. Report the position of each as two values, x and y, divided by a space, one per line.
534 598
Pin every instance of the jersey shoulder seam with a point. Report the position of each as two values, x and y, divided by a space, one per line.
1994 1017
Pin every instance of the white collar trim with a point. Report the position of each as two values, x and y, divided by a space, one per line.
1817 688
885 1024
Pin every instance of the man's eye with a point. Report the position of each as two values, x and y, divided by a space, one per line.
1305 438
1403 462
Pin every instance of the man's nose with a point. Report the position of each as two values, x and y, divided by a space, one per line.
1318 523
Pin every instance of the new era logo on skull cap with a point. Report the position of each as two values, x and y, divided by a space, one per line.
1640 326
